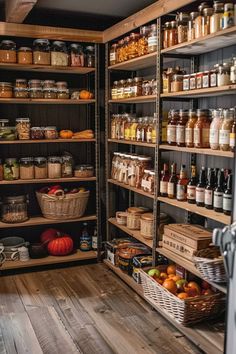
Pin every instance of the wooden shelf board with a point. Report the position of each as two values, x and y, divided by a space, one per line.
133 189
134 233
48 180
46 141
46 68
187 264
129 142
139 99
217 153
204 335
40 220
143 62
77 256
211 214
221 39
44 101
205 92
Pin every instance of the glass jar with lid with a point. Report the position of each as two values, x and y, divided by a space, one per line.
119 50
191 26
177 83
113 126
193 81
35 89
146 88
149 129
143 40
21 83
37 133
216 21
182 27
137 87
41 52
84 171
120 168
48 84
206 19
199 19
173 34
23 128
54 167
128 88
132 175
139 129
199 79
186 82
154 86
4 123
121 89
223 74
40 167
166 35
213 76
59 54
228 18
127 127
180 127
201 130
152 39
118 124
7 51
14 209
62 90
133 45
67 166
6 90
11 170
25 56
77 57
189 128
142 164
126 163
113 54
50 93
27 168
50 132
171 126
215 128
124 50
225 129
90 56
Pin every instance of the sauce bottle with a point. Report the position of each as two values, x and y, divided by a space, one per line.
191 187
171 127
227 196
200 189
164 181
232 136
171 187
189 127
181 190
202 129
209 190
180 127
215 128
218 192
225 129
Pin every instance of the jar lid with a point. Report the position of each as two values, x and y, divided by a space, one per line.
41 41
2 83
4 120
46 82
67 158
26 159
84 167
186 75
76 46
21 80
7 41
202 112
21 89
34 81
40 159
90 48
50 128
152 173
147 171
54 158
49 89
137 79
24 49
15 199
135 210
26 120
36 128
144 158
11 160
147 216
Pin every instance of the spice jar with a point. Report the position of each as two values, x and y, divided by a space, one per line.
36 133
7 52
171 127
199 77
14 209
143 163
143 40
54 167
25 56
76 55
166 35
206 79
40 168
189 128
148 180
23 128
173 34
133 45
206 19
59 54
137 87
228 18
146 225
90 57
26 168
84 171
202 129
67 166
133 218
6 90
113 54
182 27
191 26
41 52
177 83
180 127
11 170
216 22
152 39
225 129
193 81
223 75
186 82
50 133
215 128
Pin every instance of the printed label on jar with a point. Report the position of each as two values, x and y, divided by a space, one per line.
191 192
227 202
163 187
192 83
171 188
224 137
218 200
232 140
152 41
112 56
131 171
214 136
208 197
188 135
181 192
205 81
180 130
197 136
147 185
171 133
127 91
213 80
186 84
200 194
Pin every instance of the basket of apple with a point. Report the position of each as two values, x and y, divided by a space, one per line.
186 302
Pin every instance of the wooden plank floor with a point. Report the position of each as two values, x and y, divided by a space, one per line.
82 309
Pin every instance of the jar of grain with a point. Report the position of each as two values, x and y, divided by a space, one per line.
23 128
146 225
223 75
191 26
7 52
177 83
85 171
27 168
59 54
35 89
21 92
6 90
133 45
207 14
67 166
25 56
50 93
199 19
40 167
14 209
62 90
134 217
41 52
182 27
54 167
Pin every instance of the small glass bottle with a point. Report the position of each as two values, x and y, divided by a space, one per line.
200 189
180 127
227 197
225 129
171 187
171 127
164 181
191 187
215 128
202 129
181 188
189 128
232 136
218 192
209 190
206 19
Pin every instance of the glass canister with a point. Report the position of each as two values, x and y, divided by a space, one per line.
59 54
90 56
7 51
40 167
146 88
137 87
166 35
14 209
133 45
189 128
173 34
215 128
133 218
11 170
27 168
114 89
35 89
50 93
206 19
143 40
146 225
201 130
21 89
216 22
37 133
41 52
23 128
191 26
6 90
67 166
199 19
77 55
25 55
133 129
152 39
121 89
223 75
177 83
127 128
113 54
54 167
228 18
225 129
50 132
148 181
142 164
182 27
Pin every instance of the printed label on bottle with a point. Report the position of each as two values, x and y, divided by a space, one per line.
205 81
218 200
180 130
213 80
224 137
208 197
197 136
139 135
149 137
188 135
163 187
181 192
227 202
205 136
171 133
147 185
232 140
200 194
171 188
191 192
112 56
192 83
214 136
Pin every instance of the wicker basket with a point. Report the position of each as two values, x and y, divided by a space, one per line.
185 312
63 206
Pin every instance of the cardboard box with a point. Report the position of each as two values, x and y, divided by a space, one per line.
191 235
178 248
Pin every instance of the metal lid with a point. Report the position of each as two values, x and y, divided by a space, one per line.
7 41
11 160
84 167
26 120
15 199
41 41
25 49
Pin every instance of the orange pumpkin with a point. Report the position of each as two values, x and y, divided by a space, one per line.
66 134
85 95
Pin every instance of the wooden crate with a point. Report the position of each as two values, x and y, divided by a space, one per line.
178 247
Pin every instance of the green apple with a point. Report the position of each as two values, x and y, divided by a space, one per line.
180 284
154 273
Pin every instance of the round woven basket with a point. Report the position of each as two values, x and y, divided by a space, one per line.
63 206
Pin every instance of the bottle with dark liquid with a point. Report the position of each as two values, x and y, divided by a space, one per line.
209 190
181 189
227 196
218 192
164 181
171 187
200 188
191 187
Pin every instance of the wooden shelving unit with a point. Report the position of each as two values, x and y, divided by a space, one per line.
139 99
48 180
75 257
139 63
44 101
205 92
46 141
133 189
47 68
209 152
129 142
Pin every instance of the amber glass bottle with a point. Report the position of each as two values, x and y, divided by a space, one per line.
164 181
171 127
171 187
180 127
181 189
191 187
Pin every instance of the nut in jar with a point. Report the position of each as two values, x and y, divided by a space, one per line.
23 128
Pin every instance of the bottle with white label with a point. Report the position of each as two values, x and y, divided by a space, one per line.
152 39
189 128
171 187
225 129
180 127
164 181
227 197
181 190
95 240
191 187
218 192
209 190
200 189
171 127
232 136
214 129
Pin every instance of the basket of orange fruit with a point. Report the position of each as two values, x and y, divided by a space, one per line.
186 302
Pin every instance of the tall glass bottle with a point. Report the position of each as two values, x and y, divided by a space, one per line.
218 192
181 189
171 187
164 181
227 196
200 189
171 127
191 187
180 127
209 190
